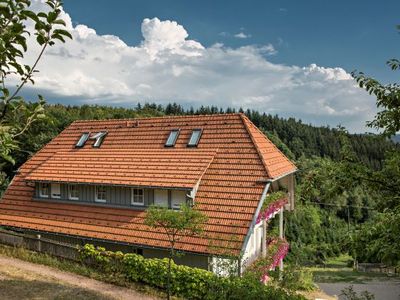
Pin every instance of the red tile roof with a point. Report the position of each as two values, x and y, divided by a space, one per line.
231 159
178 168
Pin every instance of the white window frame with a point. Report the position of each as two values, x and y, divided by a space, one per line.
41 189
70 197
53 195
136 196
192 141
172 138
96 198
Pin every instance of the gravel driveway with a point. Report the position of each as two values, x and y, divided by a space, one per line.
388 289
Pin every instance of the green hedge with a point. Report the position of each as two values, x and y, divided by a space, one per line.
186 282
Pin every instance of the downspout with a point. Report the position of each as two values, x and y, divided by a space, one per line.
253 222
281 237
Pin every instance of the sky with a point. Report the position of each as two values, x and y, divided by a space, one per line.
291 58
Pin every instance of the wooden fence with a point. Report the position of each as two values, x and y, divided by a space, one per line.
39 244
377 268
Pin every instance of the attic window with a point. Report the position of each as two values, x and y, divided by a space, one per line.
173 136
195 138
99 137
82 140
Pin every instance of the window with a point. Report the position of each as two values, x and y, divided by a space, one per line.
82 140
99 137
73 192
137 197
173 136
44 190
178 198
101 194
161 198
55 190
194 138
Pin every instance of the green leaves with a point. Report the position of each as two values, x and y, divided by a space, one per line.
387 100
176 224
186 282
16 116
59 34
186 221
393 63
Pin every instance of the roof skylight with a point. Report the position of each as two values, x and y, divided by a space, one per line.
99 137
195 138
82 140
173 136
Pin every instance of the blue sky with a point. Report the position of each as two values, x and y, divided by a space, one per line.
291 58
349 34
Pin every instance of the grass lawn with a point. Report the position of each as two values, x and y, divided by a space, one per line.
337 270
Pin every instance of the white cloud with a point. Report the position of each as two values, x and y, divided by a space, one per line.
168 66
242 35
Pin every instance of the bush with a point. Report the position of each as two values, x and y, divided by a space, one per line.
295 278
186 282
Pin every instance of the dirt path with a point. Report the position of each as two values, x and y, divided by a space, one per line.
18 274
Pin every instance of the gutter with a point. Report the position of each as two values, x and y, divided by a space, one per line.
277 178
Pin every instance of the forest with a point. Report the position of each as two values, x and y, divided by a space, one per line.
340 183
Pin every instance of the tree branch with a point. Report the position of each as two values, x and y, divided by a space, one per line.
24 81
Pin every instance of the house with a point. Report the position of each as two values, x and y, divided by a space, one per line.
93 182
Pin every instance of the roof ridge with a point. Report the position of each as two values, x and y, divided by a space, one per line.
158 117
244 120
247 122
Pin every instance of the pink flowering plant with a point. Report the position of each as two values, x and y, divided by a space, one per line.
272 204
277 250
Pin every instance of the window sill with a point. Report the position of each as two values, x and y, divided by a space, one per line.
100 201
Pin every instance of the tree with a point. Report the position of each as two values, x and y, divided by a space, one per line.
378 240
176 224
16 115
387 99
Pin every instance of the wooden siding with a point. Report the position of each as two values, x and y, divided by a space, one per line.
116 195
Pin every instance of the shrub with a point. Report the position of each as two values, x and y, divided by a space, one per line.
186 282
295 278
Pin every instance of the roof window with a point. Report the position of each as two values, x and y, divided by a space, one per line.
82 140
99 137
173 136
195 138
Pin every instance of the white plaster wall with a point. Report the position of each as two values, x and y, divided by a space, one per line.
253 247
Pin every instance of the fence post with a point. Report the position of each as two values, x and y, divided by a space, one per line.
39 244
